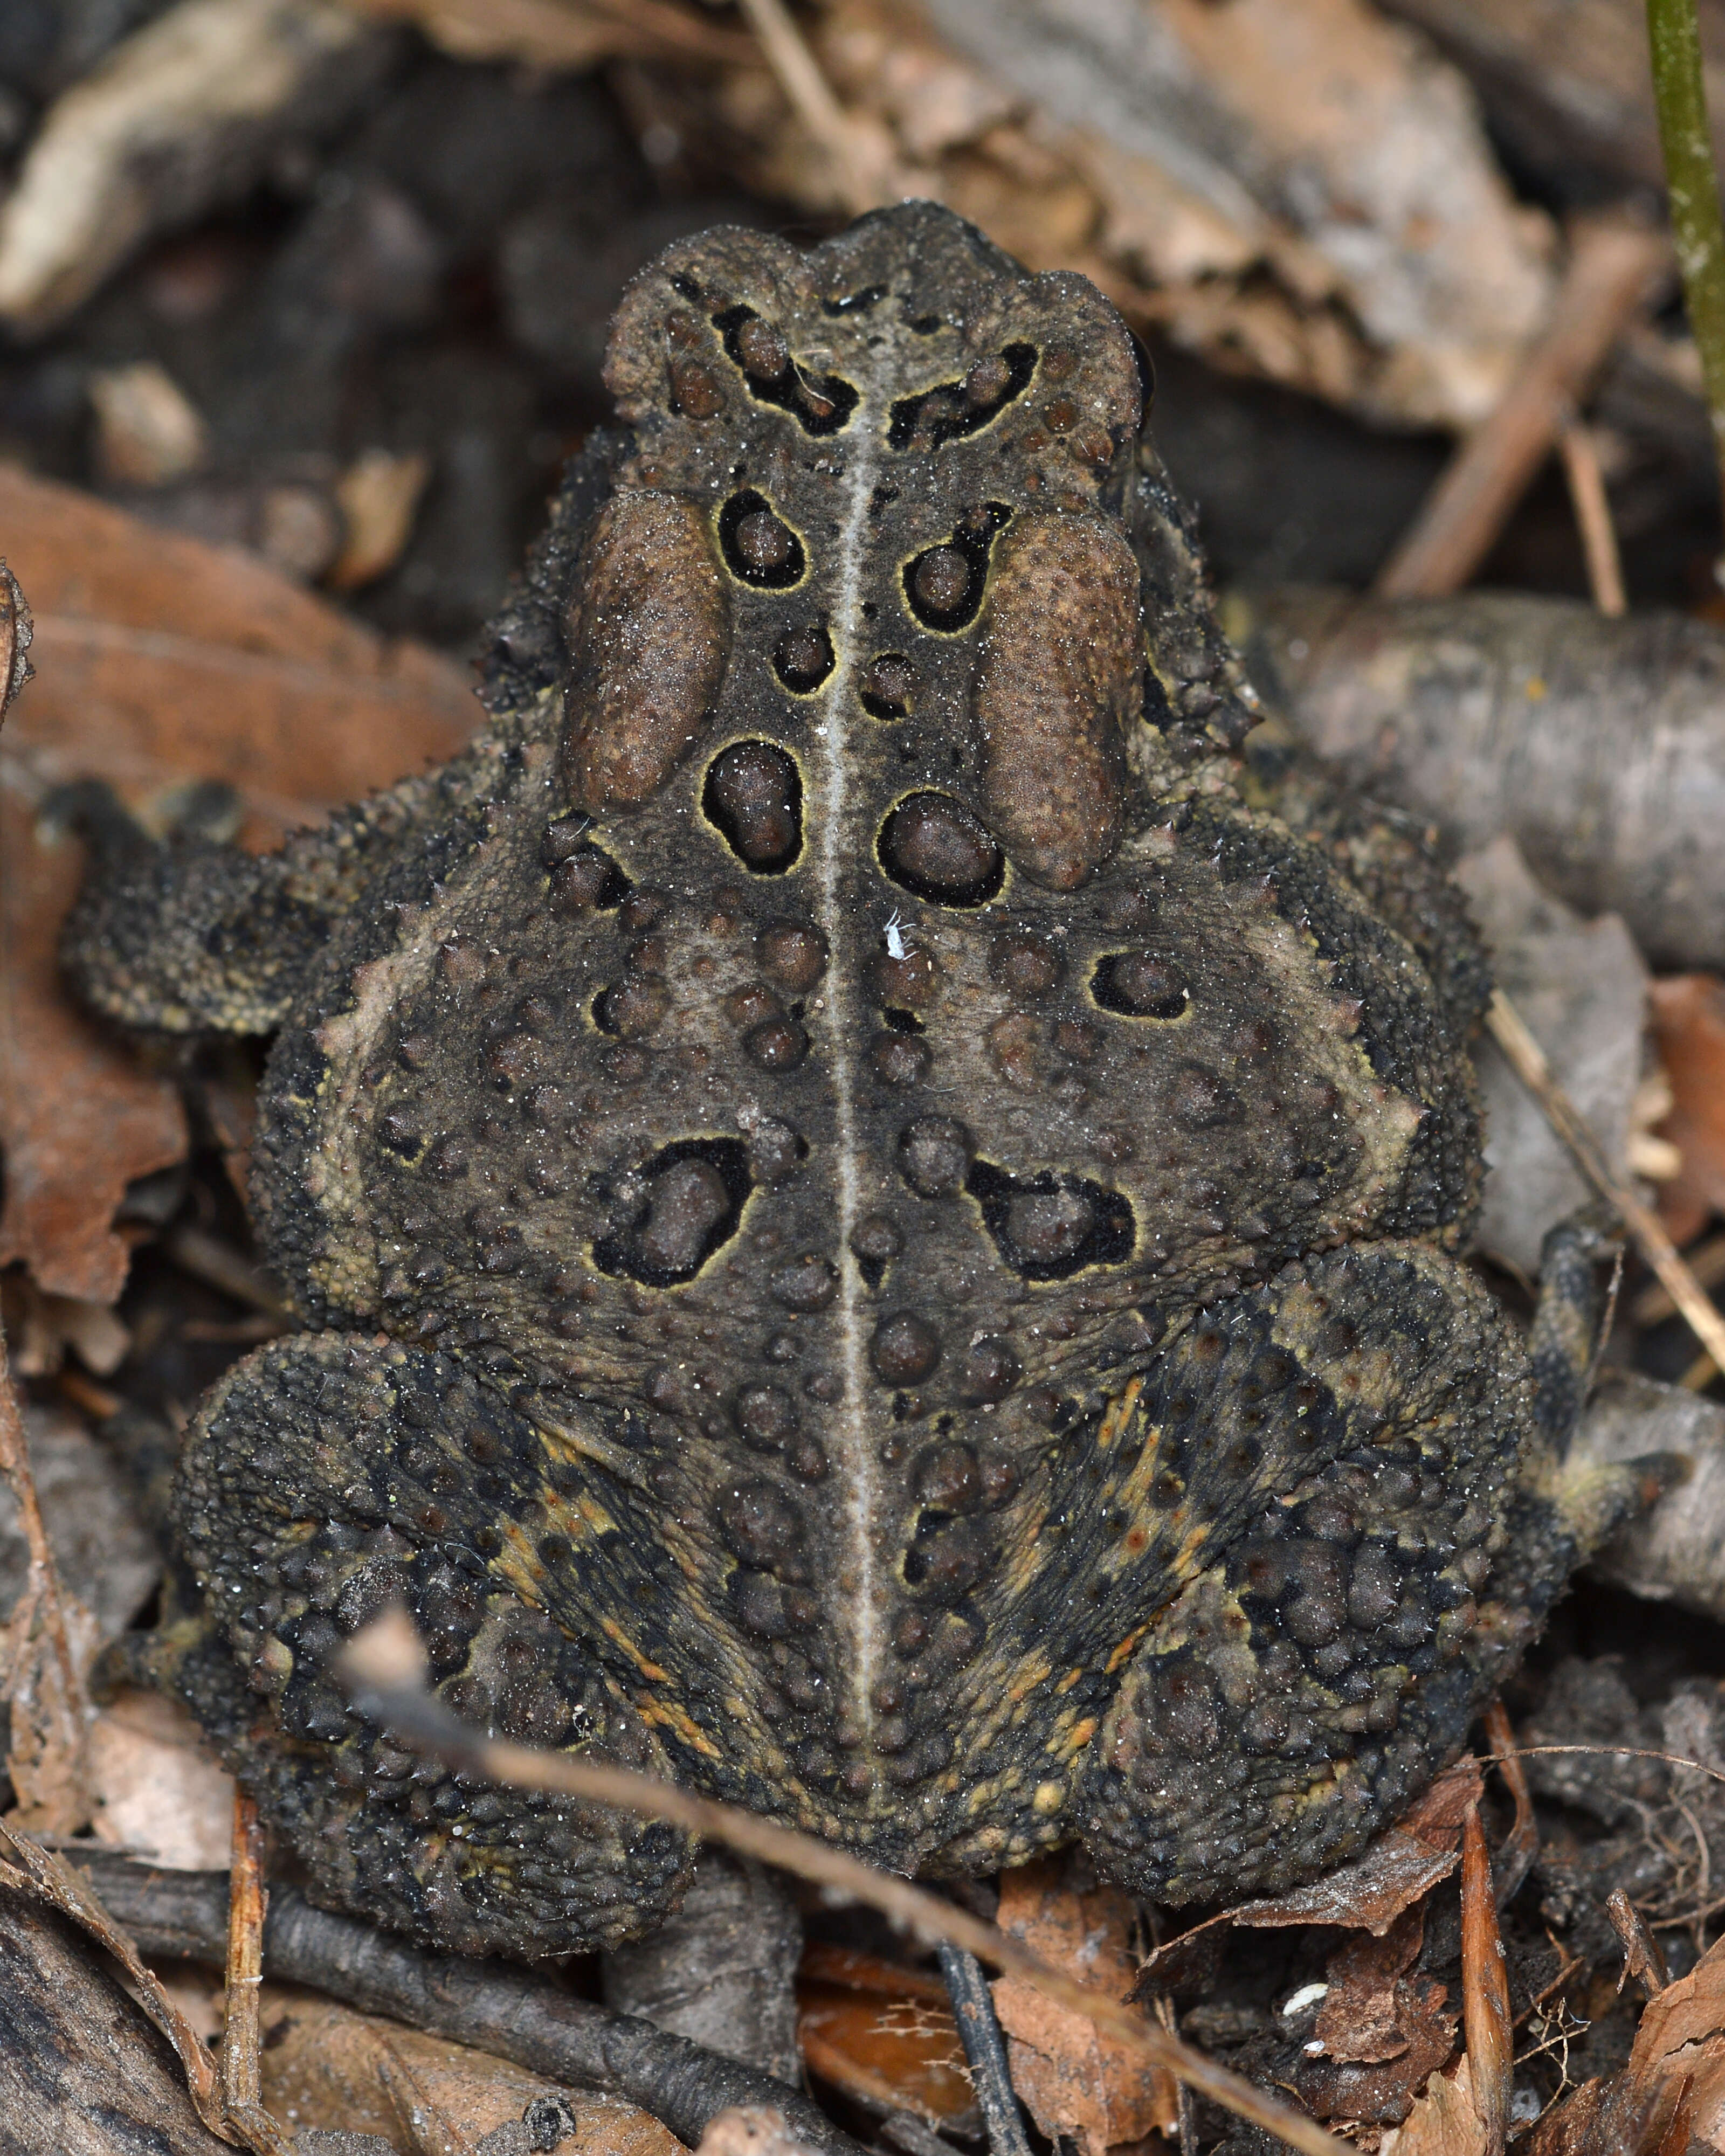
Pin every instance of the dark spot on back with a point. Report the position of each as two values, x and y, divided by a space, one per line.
692 1203
1050 1226
932 846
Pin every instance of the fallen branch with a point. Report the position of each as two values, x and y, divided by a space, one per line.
511 2013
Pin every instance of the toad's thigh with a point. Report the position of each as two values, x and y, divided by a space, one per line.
326 1477
1326 1652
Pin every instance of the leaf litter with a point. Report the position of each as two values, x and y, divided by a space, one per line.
1245 224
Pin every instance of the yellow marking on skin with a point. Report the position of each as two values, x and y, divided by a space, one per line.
568 1515
618 1638
517 1565
1118 1414
1127 1647
1067 1682
1033 1674
1027 1557
564 1443
1079 1735
666 1714
1193 1542
1134 1492
596 1516
1048 1797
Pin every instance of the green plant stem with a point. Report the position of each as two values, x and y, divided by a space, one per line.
1674 38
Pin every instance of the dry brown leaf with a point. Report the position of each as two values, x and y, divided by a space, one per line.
1076 2080
1358 2023
157 1789
45 1653
1384 2026
1403 1864
884 2034
1682 2036
325 2065
80 1117
1688 1014
159 661
1442 2122
1422 1846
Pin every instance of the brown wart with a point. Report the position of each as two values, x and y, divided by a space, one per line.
648 634
1059 665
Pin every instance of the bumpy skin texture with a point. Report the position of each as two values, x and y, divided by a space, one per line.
873 1239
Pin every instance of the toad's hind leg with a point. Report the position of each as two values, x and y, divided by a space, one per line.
327 1477
1351 1602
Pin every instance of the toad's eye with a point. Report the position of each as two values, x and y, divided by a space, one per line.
951 410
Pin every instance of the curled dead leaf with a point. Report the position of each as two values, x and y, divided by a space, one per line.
1076 2080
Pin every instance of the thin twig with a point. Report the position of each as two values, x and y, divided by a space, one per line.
385 1666
219 1266
1570 1962
1705 1261
1527 1059
44 1577
1612 264
1692 186
985 2052
242 2084
1520 1845
810 97
1485 1989
1186 2111
1580 449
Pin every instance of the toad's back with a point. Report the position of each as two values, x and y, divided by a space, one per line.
835 1109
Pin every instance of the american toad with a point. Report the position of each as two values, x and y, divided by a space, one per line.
872 1237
